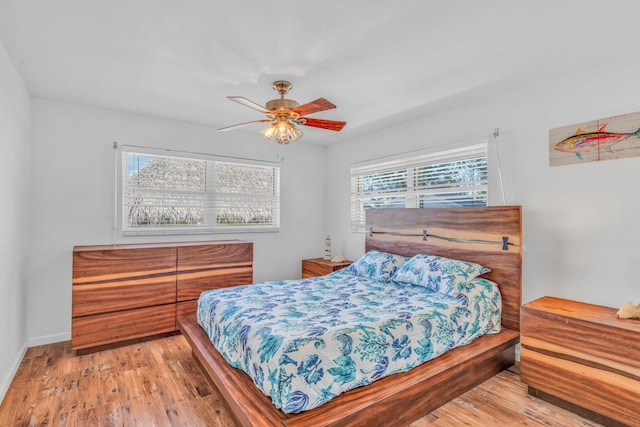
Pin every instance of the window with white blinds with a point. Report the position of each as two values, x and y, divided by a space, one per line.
164 194
453 177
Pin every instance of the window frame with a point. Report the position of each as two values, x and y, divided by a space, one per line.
210 223
410 164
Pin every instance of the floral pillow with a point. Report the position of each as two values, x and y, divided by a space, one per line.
438 274
377 265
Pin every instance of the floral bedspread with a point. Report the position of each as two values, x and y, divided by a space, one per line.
305 341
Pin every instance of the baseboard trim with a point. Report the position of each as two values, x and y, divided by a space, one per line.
49 339
6 381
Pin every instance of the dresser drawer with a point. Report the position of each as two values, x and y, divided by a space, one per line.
100 329
106 297
187 308
99 265
192 284
206 256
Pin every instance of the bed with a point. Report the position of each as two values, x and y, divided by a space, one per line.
489 236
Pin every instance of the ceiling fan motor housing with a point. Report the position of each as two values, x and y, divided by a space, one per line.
286 104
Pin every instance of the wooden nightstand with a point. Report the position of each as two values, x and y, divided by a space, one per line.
319 267
583 358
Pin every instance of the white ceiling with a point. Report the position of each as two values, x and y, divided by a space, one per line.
379 61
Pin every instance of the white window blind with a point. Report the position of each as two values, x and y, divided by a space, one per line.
166 194
452 177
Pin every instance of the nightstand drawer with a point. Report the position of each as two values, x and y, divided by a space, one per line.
320 267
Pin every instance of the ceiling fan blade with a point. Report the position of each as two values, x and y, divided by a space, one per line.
323 124
248 103
319 104
239 125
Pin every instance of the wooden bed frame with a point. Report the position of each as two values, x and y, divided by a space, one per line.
490 236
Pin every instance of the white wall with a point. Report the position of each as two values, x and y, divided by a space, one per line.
14 214
72 198
581 227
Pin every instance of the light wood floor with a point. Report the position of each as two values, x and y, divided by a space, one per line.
157 383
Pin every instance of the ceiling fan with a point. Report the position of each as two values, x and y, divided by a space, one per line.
284 114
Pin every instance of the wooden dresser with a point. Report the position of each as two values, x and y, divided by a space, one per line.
583 358
319 267
122 292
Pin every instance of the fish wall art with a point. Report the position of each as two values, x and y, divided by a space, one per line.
615 137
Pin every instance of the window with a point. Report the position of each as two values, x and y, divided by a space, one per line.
164 194
452 177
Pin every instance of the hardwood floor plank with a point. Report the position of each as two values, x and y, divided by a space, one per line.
501 401
158 383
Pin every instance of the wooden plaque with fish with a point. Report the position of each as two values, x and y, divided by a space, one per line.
614 137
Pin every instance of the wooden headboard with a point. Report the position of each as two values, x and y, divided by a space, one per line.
490 236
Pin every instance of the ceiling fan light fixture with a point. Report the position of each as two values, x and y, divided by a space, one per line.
269 131
282 132
295 134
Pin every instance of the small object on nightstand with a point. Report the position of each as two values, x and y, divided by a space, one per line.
327 248
319 267
339 258
629 311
